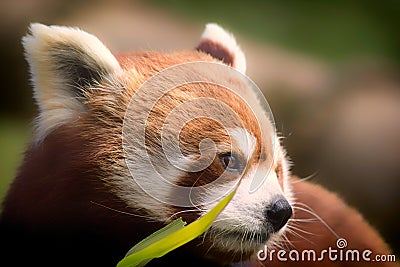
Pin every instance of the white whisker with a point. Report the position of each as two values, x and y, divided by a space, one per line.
309 210
120 211
183 211
305 178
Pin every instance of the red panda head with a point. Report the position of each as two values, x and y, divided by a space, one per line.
162 125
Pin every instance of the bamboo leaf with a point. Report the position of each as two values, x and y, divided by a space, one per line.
171 237
158 235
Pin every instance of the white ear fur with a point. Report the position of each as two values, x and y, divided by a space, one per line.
63 62
222 45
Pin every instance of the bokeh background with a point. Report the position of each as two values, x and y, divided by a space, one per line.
330 71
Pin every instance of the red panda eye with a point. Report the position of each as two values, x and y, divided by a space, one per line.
231 162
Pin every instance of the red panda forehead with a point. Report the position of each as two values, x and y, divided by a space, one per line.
236 128
147 64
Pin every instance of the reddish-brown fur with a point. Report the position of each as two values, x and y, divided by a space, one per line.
60 207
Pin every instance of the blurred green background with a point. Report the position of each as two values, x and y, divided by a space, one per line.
330 71
331 31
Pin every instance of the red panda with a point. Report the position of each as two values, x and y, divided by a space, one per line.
74 201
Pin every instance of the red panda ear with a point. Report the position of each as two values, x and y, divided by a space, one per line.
222 45
64 62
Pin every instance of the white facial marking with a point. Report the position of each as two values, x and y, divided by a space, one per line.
244 141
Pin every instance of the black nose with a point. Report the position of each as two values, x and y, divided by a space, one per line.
278 213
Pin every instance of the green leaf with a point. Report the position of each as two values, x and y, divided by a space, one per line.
156 246
158 235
